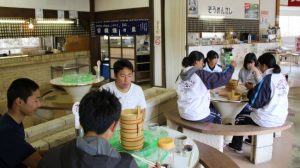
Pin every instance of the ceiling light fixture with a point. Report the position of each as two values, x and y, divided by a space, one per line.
30 24
12 21
55 21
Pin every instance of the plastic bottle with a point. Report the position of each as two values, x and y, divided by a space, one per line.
249 38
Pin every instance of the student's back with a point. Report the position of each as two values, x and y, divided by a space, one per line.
69 156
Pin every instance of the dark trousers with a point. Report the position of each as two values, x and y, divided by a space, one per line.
241 119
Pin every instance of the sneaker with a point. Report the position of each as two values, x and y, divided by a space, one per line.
233 148
248 141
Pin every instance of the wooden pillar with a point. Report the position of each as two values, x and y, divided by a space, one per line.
277 13
94 40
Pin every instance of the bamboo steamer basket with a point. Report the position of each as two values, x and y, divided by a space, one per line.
133 148
234 96
131 135
137 126
131 114
139 129
132 131
132 139
232 84
132 143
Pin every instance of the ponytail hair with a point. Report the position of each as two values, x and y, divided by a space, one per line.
192 58
269 60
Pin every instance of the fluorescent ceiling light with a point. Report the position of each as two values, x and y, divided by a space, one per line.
55 21
211 17
11 21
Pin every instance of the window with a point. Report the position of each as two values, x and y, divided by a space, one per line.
15 45
289 25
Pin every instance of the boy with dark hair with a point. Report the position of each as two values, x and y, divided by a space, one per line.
130 95
23 99
99 113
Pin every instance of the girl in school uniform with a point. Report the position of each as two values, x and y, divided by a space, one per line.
211 62
268 99
193 89
249 74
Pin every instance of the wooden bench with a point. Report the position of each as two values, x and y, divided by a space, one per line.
213 134
212 158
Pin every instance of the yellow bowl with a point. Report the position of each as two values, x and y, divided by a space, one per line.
166 143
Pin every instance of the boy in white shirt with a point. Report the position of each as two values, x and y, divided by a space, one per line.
130 95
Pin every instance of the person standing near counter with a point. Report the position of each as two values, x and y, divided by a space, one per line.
130 95
23 99
193 89
268 99
211 62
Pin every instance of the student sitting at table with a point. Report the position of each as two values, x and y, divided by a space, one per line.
23 99
268 99
193 89
99 113
211 62
129 94
249 74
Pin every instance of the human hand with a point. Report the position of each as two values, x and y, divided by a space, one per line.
233 63
249 85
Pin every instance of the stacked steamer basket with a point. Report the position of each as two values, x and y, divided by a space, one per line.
131 131
232 84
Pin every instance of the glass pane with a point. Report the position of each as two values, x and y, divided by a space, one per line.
104 47
142 45
115 41
128 41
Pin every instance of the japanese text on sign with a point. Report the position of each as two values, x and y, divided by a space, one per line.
219 10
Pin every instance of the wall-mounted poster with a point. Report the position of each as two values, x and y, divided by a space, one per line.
251 11
294 3
193 8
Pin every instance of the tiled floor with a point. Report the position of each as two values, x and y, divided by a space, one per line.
286 151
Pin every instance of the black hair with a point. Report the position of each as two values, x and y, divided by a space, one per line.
98 110
269 60
250 58
121 64
192 58
211 55
20 88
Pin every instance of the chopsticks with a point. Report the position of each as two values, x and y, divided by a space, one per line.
145 161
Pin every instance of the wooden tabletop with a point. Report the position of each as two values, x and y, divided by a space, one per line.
213 158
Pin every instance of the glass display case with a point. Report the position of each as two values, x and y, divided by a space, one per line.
134 48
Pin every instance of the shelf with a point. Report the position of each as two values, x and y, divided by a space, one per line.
143 80
142 71
142 53
138 63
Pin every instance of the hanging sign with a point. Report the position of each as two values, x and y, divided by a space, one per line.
114 28
294 3
123 27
